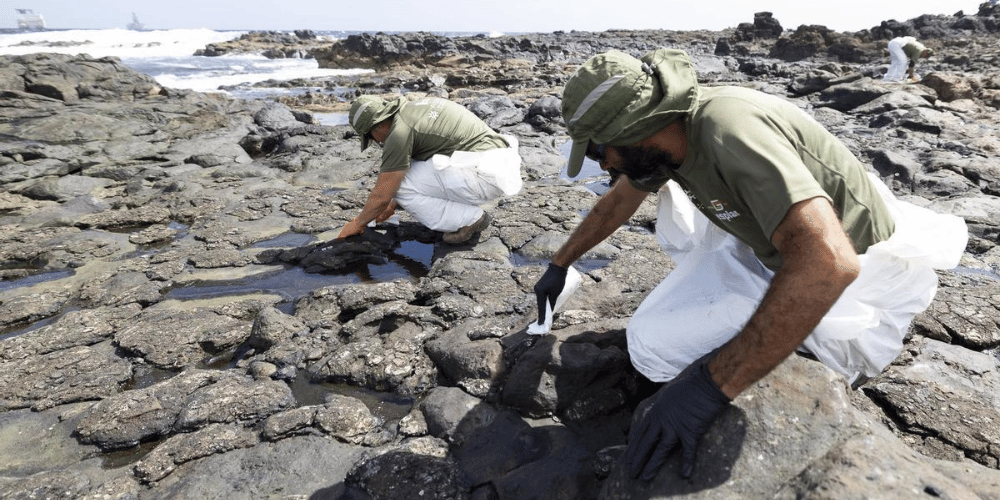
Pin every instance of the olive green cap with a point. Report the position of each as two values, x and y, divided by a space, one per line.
616 99
368 111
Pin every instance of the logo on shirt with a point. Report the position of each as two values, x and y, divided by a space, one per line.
720 210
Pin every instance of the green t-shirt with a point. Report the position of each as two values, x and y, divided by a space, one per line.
430 126
913 49
751 156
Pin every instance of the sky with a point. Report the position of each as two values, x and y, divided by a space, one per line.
505 16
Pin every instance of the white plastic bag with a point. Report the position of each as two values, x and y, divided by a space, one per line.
718 283
572 283
500 167
703 302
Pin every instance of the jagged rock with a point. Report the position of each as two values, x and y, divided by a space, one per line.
115 194
215 438
401 475
475 365
176 339
65 376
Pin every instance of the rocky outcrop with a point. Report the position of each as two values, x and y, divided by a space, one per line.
271 44
177 322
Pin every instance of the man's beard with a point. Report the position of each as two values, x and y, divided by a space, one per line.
643 164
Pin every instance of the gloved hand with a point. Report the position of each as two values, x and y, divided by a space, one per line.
549 286
350 229
682 412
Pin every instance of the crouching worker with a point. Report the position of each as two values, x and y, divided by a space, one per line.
440 162
782 241
903 54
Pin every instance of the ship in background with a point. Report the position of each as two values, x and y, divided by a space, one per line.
30 21
135 25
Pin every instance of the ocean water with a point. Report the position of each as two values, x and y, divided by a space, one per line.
168 56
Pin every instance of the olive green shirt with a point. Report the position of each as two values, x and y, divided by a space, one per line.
430 126
751 156
913 50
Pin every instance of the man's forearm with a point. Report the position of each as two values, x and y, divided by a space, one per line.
819 263
789 312
372 209
608 214
381 196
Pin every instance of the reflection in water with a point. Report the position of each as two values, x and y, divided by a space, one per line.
582 265
386 406
406 260
286 240
128 456
35 279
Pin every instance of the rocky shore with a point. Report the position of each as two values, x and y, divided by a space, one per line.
175 321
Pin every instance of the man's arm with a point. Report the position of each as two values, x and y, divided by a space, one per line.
818 263
380 198
608 214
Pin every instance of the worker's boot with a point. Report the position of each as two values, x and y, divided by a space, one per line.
463 234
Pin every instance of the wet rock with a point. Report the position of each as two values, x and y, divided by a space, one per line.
73 329
963 312
120 289
44 433
475 365
279 45
444 409
66 376
831 432
31 307
234 400
391 362
215 438
345 418
323 307
142 414
948 393
847 96
174 339
342 417
124 191
273 327
64 188
138 217
478 287
400 475
558 375
297 466
156 233
52 484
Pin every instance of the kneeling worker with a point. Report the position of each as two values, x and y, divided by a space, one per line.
440 162
783 240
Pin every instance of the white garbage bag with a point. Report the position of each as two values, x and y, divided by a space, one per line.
572 283
718 283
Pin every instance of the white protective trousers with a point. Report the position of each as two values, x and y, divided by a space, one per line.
898 61
718 283
445 193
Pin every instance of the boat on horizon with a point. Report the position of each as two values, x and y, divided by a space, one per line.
135 25
30 21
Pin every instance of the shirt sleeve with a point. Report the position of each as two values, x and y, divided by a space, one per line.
397 149
759 159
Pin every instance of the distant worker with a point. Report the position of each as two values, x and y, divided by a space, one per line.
440 162
903 54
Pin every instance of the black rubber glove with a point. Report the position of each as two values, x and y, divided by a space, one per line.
549 286
682 412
